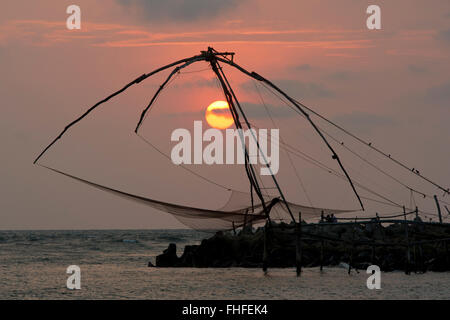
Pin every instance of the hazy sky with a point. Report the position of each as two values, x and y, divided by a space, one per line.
391 86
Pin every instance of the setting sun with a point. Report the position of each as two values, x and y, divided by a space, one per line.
218 115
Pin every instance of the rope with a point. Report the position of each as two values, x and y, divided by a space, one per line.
182 166
446 191
281 139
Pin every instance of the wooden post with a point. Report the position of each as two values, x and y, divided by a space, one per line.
265 253
422 264
321 248
438 208
298 246
373 252
234 228
446 253
245 220
351 250
408 253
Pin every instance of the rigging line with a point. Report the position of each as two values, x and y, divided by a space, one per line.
382 171
339 175
182 166
334 155
251 198
362 164
276 94
392 215
216 65
332 171
248 166
264 190
428 213
282 140
294 109
335 173
309 159
410 198
378 201
326 168
136 81
156 99
196 71
369 144
174 71
299 106
341 143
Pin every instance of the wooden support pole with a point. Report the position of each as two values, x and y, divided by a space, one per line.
438 209
245 220
422 264
298 246
352 248
265 253
408 253
373 252
321 248
446 253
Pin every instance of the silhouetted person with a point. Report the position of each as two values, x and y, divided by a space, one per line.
333 218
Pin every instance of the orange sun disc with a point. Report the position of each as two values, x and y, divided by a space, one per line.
218 115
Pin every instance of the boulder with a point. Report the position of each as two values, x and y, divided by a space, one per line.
168 258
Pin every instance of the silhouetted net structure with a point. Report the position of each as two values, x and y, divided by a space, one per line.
320 162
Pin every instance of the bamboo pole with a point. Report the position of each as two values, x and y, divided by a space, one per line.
422 264
373 252
408 253
438 209
321 248
352 249
298 246
265 253
446 253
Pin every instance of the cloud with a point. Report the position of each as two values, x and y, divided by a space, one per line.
438 94
303 67
198 83
417 69
362 121
298 89
444 35
258 111
252 111
52 33
179 9
343 75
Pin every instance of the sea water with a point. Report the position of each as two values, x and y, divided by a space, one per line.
113 265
